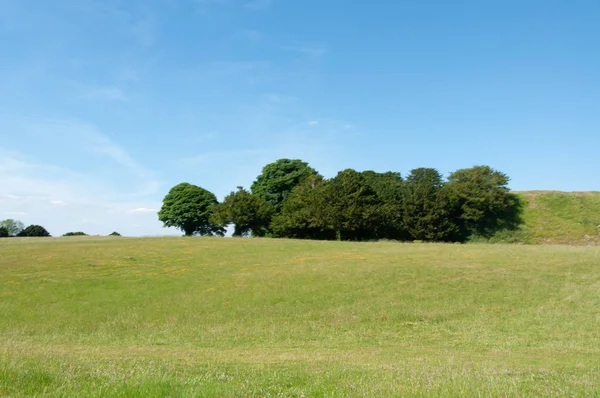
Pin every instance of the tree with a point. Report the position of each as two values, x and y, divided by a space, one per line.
481 201
302 214
79 233
426 208
389 189
189 207
4 232
278 179
250 213
13 227
115 234
351 206
34 230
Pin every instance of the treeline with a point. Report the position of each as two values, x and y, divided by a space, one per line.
290 199
14 228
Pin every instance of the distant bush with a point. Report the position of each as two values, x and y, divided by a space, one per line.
520 235
34 230
75 234
115 234
4 232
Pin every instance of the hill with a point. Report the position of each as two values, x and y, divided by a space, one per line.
561 217
258 317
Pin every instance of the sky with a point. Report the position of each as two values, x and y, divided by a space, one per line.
107 104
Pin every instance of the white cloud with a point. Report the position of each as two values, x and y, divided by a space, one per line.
87 137
64 200
9 196
313 122
142 210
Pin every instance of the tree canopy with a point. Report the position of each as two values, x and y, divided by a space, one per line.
279 178
13 227
33 231
426 208
289 199
4 232
481 201
78 233
189 208
248 212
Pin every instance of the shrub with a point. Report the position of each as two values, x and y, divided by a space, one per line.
34 230
519 235
3 232
79 233
115 234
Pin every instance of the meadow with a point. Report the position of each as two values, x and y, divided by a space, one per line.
89 316
560 217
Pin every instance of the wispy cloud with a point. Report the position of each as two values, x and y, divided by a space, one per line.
253 35
63 199
203 6
142 210
106 93
144 30
313 51
15 213
136 21
259 4
313 122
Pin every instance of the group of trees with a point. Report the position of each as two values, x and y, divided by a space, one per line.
289 199
79 233
10 228
14 228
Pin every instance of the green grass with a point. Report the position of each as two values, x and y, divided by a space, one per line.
560 217
258 317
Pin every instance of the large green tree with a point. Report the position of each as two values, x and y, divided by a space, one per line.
351 206
13 227
33 231
482 202
279 178
427 214
302 215
248 212
189 208
389 189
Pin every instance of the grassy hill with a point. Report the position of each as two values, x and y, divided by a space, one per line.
257 317
560 217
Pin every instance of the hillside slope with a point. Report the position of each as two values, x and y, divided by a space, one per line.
561 217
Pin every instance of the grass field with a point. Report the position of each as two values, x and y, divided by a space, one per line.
253 317
561 217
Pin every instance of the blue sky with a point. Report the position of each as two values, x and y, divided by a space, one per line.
106 104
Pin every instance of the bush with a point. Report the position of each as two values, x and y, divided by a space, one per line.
3 232
75 234
115 234
34 230
520 235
